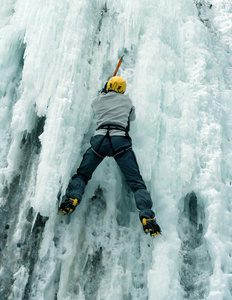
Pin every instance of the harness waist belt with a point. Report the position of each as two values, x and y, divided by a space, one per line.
112 127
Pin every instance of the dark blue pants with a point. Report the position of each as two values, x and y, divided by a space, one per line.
120 148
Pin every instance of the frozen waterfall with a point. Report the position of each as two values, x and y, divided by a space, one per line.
54 58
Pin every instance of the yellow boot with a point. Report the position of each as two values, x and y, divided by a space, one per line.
150 226
68 205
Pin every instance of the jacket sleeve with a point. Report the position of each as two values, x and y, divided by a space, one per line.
94 100
132 114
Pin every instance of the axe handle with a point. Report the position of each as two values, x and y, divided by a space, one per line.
119 63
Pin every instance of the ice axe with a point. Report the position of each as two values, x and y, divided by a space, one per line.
118 66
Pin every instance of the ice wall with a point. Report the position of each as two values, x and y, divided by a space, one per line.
55 57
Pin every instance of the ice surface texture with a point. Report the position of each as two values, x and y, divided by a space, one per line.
54 57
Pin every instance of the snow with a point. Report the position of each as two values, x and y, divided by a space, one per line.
54 58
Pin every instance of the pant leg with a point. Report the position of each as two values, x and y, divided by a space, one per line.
84 173
129 167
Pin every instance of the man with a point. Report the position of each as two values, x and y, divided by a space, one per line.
113 111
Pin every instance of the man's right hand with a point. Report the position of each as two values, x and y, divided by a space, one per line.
104 89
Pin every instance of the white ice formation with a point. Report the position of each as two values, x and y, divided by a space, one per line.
54 58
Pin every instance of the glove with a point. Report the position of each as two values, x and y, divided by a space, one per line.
104 90
68 205
150 225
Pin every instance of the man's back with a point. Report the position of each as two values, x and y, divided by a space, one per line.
113 108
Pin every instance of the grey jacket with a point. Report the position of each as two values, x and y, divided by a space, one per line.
113 108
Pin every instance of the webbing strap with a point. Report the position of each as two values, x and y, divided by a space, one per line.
95 152
124 150
112 127
116 154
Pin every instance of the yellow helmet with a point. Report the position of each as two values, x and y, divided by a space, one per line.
117 84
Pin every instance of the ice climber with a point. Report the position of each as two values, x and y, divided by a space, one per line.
113 111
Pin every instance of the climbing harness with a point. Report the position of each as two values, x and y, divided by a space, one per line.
107 135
